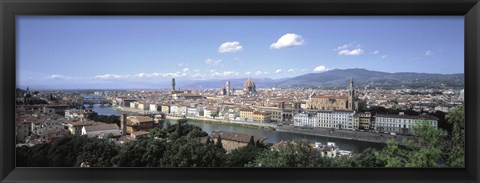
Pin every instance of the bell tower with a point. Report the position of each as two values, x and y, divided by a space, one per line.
351 95
173 86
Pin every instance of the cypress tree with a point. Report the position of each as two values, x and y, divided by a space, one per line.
219 142
251 142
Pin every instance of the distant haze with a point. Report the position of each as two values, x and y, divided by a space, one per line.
337 78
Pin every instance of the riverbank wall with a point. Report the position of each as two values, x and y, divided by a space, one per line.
344 134
228 122
322 132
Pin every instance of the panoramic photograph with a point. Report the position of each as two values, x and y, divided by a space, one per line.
240 91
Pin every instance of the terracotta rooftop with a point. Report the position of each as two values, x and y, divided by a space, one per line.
139 119
101 127
81 123
238 137
330 97
246 109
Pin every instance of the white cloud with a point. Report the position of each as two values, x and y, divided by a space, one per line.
185 69
56 76
141 75
343 47
375 52
290 70
248 73
258 73
351 49
429 53
230 47
108 76
278 71
230 73
212 62
384 56
287 40
320 68
354 52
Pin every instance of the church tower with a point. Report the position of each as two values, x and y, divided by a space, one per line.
173 86
351 96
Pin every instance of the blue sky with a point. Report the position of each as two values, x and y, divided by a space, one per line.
134 51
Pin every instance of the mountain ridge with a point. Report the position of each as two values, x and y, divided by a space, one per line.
339 78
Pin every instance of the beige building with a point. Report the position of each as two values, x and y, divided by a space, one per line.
326 102
138 123
365 120
262 116
246 114
166 109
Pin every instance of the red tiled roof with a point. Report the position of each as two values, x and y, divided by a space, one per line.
101 127
330 97
239 137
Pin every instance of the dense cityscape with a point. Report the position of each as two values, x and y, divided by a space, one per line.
351 113
215 91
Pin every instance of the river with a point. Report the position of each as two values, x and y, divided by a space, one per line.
272 136
275 136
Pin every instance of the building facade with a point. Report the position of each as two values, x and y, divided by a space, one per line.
325 119
363 121
246 114
328 102
401 124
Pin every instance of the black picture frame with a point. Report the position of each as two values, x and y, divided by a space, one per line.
470 9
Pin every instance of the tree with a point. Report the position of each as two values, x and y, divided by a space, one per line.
143 152
64 152
457 147
209 141
251 142
242 156
293 154
158 132
259 144
368 158
191 153
98 153
219 142
168 125
33 156
214 114
425 149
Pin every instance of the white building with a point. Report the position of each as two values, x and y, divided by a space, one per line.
77 113
401 124
174 109
153 107
182 110
192 112
325 119
335 119
304 119
102 129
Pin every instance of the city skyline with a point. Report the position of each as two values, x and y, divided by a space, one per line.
131 51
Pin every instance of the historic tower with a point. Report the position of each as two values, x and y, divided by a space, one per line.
173 86
123 123
227 87
351 95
